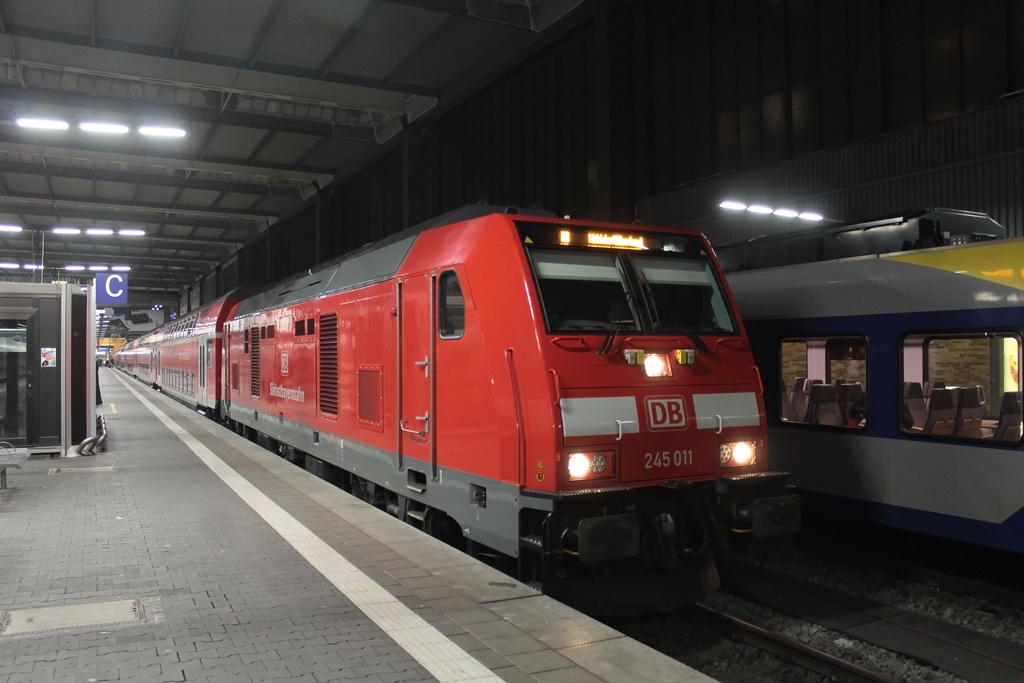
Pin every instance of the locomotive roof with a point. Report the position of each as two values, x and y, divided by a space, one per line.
374 262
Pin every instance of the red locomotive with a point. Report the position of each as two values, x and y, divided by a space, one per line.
578 396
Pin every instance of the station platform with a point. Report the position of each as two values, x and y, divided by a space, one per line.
183 552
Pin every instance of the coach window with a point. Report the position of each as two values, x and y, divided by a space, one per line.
452 315
962 386
823 381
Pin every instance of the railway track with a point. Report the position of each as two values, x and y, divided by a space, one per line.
787 648
928 641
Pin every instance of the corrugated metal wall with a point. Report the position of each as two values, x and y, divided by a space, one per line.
974 161
661 108
852 109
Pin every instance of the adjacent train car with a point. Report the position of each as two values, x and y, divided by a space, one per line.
183 357
892 386
578 396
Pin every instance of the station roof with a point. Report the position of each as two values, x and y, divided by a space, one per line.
276 98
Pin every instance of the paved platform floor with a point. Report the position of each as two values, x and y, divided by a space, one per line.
182 552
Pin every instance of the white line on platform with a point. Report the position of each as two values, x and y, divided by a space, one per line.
428 646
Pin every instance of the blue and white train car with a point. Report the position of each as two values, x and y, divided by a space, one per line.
892 386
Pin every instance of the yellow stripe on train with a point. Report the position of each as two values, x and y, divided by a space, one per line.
998 261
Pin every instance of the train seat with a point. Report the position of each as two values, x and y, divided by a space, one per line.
969 412
930 387
848 395
1009 426
941 413
824 406
913 401
799 398
786 407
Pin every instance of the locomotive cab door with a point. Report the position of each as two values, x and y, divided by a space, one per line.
416 370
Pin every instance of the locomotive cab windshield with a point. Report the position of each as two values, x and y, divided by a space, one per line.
642 282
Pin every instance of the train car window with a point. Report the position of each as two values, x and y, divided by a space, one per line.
823 381
583 291
452 309
300 328
310 326
270 331
684 295
962 386
209 353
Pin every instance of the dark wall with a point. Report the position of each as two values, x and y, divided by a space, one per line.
643 96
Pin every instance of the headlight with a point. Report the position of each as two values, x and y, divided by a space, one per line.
584 466
737 454
657 365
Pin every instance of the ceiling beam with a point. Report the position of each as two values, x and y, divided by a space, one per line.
67 58
185 164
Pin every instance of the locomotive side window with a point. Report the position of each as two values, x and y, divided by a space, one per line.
824 381
451 320
583 291
962 386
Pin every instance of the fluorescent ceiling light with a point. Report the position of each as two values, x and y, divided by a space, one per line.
45 124
97 127
121 269
98 268
33 266
733 206
162 131
9 266
10 228
99 231
759 208
786 213
76 267
66 231
131 232
811 216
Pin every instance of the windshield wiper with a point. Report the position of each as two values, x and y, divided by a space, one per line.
609 341
697 341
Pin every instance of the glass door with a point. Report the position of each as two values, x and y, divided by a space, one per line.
14 384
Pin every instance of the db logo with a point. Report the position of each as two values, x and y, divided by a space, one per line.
666 412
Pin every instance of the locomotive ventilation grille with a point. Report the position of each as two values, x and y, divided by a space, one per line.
254 350
329 364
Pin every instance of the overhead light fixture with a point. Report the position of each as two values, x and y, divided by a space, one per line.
33 266
162 131
10 228
66 231
99 231
98 269
131 232
97 127
42 124
121 269
74 267
733 205
9 266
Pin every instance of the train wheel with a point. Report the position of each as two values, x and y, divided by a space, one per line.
443 528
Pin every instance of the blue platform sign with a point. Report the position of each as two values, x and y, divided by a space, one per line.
111 288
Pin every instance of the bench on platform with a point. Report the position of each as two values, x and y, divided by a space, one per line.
10 457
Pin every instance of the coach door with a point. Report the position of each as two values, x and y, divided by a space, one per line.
416 371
